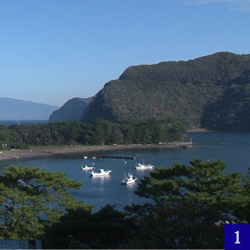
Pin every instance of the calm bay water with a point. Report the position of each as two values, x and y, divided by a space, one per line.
14 122
232 148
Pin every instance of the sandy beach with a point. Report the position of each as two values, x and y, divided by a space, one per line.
42 151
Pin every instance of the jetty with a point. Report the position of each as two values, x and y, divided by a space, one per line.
118 157
94 156
111 156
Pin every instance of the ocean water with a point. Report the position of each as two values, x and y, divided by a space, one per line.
12 122
232 148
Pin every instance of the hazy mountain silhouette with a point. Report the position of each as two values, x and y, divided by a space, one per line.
12 109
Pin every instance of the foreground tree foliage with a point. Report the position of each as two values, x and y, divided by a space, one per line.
186 202
200 181
179 226
107 228
32 198
98 132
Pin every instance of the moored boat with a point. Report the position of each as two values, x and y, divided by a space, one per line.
85 167
128 179
101 172
144 166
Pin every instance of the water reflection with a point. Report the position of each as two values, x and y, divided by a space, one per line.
100 179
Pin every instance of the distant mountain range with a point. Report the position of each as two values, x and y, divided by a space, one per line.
13 109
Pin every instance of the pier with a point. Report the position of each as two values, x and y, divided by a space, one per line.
80 155
118 157
109 156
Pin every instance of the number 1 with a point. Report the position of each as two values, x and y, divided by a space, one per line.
237 237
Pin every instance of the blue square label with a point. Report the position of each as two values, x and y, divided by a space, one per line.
237 236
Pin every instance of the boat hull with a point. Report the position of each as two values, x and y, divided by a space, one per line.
144 166
128 182
88 168
100 173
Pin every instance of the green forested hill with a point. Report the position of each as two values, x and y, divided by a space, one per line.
210 92
72 110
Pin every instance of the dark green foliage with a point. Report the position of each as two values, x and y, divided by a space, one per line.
99 132
186 202
107 228
182 90
179 226
200 182
232 111
71 110
32 198
10 138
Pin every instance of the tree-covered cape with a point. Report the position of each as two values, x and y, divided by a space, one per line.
98 132
185 204
32 198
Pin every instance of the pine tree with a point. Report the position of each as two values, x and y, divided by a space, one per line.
185 202
32 198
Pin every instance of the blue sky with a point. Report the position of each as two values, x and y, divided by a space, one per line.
55 50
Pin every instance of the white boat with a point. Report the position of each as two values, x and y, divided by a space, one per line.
85 167
101 172
128 178
144 166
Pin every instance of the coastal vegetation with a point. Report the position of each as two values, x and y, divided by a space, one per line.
187 208
210 92
98 132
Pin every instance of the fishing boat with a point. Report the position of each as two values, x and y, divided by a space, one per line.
85 167
144 166
101 172
128 179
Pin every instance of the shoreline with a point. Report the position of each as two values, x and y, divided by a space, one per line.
44 151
